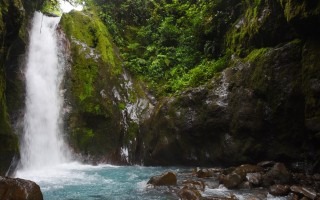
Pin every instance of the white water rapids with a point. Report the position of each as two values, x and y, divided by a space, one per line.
42 145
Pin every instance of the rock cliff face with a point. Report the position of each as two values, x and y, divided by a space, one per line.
14 19
104 103
264 106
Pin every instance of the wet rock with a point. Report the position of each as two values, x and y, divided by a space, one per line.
295 197
279 190
311 194
232 181
245 185
316 177
244 169
278 174
19 189
189 194
232 197
228 170
254 178
204 173
167 178
266 164
195 185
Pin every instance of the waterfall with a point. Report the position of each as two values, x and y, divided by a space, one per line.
42 144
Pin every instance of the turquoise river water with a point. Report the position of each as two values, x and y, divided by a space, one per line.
74 181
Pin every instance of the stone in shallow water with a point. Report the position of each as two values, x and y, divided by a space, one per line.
195 185
232 180
254 178
19 189
204 173
279 190
167 178
311 194
278 174
189 194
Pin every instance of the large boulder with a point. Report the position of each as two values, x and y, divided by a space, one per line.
260 115
232 180
167 178
19 189
278 174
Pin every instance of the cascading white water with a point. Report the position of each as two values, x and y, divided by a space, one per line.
42 144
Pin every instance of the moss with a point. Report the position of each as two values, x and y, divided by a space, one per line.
83 137
248 26
84 74
94 59
256 54
8 140
51 7
88 29
300 9
94 122
121 106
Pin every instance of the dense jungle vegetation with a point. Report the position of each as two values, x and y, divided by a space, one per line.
171 45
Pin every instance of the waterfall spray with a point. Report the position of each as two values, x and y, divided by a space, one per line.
42 145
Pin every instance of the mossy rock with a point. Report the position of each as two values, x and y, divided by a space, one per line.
262 24
267 103
303 15
101 93
311 83
12 25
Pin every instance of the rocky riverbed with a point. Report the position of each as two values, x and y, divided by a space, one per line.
265 180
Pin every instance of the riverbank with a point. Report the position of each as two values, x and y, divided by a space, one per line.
265 180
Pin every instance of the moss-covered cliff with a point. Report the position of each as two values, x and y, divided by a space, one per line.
14 19
264 106
103 99
235 81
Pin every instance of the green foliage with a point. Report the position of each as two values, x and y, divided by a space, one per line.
94 58
51 7
248 26
88 29
258 78
256 54
83 137
84 75
300 9
198 75
162 41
